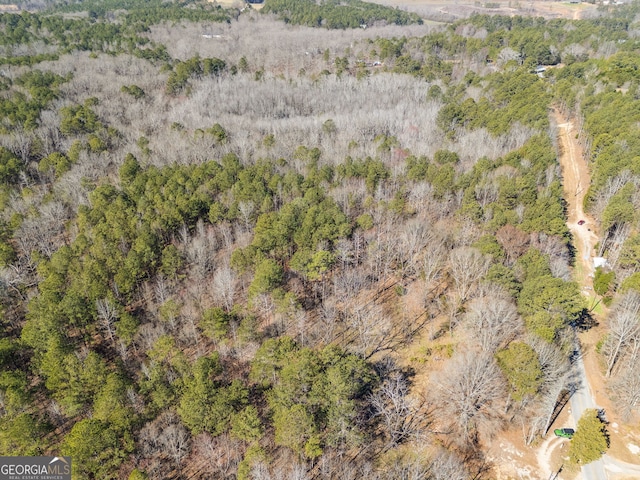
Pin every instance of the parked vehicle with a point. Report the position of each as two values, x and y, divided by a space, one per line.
564 432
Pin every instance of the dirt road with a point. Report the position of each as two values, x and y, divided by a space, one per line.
575 179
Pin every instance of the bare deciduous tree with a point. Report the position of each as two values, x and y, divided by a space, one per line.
175 440
413 238
468 393
616 242
42 233
107 315
396 409
507 54
486 192
200 249
135 400
433 262
611 187
493 322
326 325
624 325
447 466
147 334
224 286
382 253
349 282
550 398
162 290
55 413
222 453
552 360
451 304
165 436
408 467
626 390
468 266
246 211
514 241
370 327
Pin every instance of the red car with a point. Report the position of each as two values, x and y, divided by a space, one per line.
581 222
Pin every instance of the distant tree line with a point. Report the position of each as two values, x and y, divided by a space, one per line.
334 14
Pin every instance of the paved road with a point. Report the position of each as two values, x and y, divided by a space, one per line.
581 400
607 468
619 468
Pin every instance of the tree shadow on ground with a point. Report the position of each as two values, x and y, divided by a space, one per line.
561 402
585 321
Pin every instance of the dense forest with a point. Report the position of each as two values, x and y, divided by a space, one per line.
277 244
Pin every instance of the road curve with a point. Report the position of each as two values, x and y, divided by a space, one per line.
618 467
